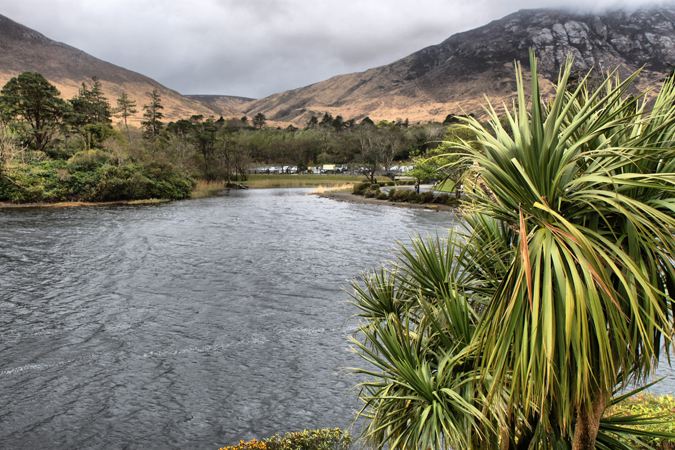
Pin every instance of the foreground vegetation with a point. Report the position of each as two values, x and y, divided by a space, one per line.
325 439
519 331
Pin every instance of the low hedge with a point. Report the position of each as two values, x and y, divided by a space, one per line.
325 439
360 188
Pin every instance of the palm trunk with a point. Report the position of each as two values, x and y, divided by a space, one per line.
588 423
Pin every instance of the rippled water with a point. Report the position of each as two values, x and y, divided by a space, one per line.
188 324
184 325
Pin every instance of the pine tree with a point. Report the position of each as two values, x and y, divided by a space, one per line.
90 106
31 105
153 115
125 108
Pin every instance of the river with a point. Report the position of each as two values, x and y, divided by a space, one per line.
189 324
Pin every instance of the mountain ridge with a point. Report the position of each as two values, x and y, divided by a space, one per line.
453 77
24 49
456 75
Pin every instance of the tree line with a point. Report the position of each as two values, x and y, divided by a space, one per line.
39 126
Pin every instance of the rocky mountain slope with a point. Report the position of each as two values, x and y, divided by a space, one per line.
454 76
224 104
23 49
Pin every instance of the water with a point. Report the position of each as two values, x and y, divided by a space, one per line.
184 325
188 324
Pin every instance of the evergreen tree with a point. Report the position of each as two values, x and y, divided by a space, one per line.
90 106
312 122
31 106
259 121
125 108
153 115
326 120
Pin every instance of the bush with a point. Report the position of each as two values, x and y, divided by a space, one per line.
360 188
375 187
391 183
87 161
427 197
452 201
648 405
442 199
325 439
382 196
371 194
392 192
402 195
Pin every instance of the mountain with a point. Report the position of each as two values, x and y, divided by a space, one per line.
23 49
223 104
454 76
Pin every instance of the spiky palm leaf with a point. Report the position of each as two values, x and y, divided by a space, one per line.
587 183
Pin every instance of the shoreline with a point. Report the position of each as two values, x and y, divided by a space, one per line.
149 201
347 196
341 196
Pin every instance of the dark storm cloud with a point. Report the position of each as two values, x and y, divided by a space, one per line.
256 48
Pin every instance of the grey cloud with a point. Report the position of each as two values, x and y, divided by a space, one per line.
256 48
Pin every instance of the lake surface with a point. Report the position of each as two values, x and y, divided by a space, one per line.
189 324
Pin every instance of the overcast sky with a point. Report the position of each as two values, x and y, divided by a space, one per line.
255 48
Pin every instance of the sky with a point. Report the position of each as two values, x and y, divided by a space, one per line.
256 48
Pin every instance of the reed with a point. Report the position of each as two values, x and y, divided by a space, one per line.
206 188
262 181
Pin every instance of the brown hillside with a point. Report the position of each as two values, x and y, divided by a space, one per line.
456 75
23 49
223 104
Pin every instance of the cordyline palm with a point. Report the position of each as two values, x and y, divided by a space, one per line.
417 328
520 329
587 183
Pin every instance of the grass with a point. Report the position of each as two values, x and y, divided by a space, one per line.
446 186
323 183
207 188
333 188
263 181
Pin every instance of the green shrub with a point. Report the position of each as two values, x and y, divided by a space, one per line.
371 194
382 196
360 188
427 197
402 195
375 187
391 183
442 199
648 405
452 201
392 192
325 439
87 161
